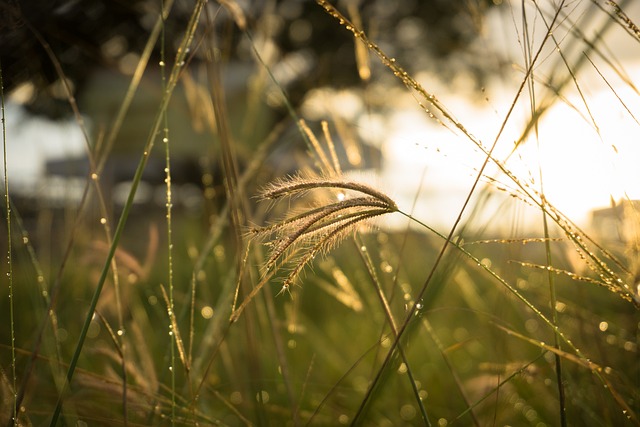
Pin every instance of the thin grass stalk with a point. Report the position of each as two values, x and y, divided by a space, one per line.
337 170
305 383
546 103
554 311
229 158
325 166
611 88
405 236
101 202
14 378
173 79
583 362
578 358
237 312
366 259
174 333
281 354
489 394
173 326
550 275
456 377
554 318
214 236
114 129
573 233
342 378
119 348
237 209
52 341
413 85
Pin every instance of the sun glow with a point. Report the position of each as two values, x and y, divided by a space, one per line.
580 164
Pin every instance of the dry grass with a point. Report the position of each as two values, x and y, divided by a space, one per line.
405 326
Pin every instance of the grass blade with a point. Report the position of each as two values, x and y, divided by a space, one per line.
180 57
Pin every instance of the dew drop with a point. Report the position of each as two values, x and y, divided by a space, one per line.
386 267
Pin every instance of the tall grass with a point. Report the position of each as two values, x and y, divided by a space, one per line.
289 302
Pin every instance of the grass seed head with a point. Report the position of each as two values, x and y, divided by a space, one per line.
296 239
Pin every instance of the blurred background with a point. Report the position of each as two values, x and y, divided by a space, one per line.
98 45
469 54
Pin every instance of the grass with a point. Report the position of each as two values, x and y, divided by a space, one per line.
288 301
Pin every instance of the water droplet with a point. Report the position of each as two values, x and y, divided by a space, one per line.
386 267
263 396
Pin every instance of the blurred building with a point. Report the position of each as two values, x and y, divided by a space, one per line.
619 222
